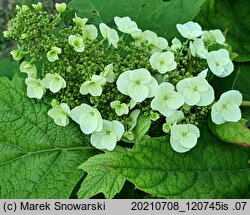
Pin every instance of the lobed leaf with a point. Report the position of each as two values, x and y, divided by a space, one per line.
211 170
156 15
232 132
38 159
100 179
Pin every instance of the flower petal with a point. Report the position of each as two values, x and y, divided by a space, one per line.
138 92
231 113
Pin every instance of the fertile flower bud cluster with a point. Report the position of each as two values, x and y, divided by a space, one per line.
104 80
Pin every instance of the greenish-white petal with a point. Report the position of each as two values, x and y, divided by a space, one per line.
138 92
231 113
189 140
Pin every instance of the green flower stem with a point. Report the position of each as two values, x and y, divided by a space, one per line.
245 104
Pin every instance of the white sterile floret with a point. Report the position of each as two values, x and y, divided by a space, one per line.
107 138
213 36
171 120
37 6
29 69
89 32
227 108
126 25
166 100
60 113
198 49
176 44
196 90
93 87
148 37
151 39
120 108
162 44
108 73
80 21
110 34
190 30
53 82
88 118
34 88
138 84
184 137
17 54
163 62
77 42
60 7
52 55
219 63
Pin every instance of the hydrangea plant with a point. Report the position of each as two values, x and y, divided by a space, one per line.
147 74
106 79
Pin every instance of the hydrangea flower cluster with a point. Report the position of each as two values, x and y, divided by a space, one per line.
104 78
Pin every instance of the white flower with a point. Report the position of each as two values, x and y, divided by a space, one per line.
166 100
108 136
88 118
177 117
184 137
79 21
126 25
34 88
17 54
151 39
93 87
138 84
89 32
77 43
198 49
163 62
227 108
176 44
148 37
213 36
120 108
190 30
162 44
108 73
60 7
60 113
220 63
109 34
196 90
53 82
52 55
172 120
29 69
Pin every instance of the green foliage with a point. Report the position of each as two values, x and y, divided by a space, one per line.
142 127
8 67
100 178
155 15
211 170
233 17
238 80
232 132
38 158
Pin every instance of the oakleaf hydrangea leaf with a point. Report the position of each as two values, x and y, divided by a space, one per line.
38 159
232 132
145 13
100 179
211 170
